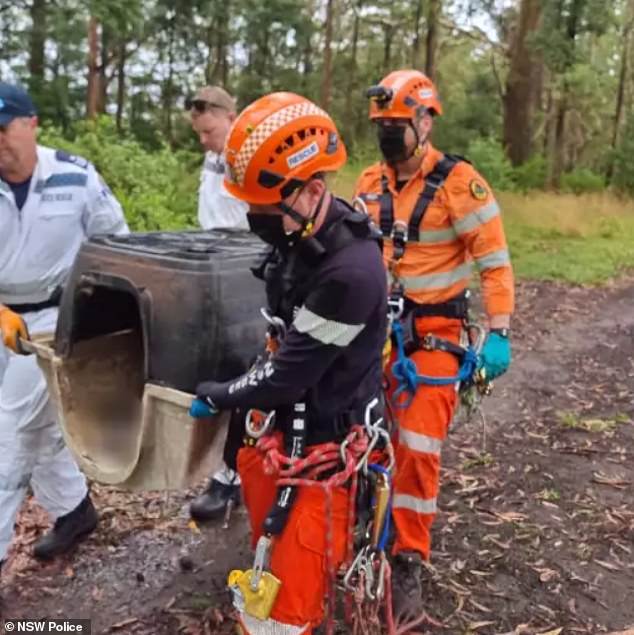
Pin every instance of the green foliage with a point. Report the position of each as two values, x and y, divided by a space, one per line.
489 159
582 181
530 175
157 190
623 178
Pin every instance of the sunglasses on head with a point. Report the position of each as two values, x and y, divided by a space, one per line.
200 105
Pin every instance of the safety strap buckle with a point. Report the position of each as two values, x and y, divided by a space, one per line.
396 302
399 239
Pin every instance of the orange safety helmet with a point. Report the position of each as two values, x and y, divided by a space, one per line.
277 144
402 95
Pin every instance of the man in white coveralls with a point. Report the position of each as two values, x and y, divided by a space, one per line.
212 111
50 202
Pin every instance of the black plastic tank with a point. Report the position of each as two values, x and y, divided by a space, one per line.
189 299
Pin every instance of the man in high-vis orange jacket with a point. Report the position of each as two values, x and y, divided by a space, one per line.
438 217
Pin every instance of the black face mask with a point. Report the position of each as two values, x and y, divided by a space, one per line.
392 143
270 229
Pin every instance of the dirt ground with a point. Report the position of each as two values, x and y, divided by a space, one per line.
535 533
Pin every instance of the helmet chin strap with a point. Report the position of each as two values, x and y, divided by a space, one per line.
306 224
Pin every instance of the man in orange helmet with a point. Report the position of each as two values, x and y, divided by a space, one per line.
327 291
437 216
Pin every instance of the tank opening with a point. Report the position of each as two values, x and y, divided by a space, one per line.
103 379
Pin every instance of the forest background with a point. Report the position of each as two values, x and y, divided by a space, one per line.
538 94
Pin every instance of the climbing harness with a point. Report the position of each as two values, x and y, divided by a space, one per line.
365 453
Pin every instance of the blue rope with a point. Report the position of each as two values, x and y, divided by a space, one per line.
385 533
406 373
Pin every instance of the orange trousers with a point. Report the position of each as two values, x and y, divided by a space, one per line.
422 428
298 555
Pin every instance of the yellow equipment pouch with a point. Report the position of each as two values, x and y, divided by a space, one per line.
259 602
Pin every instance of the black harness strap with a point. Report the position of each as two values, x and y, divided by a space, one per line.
386 219
433 182
295 444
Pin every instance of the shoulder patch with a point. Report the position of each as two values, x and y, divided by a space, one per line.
478 190
80 162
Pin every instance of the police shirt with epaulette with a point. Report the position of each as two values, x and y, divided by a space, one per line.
67 202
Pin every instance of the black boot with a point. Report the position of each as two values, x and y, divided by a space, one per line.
407 585
67 531
212 503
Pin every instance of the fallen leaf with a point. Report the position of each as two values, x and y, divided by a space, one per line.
607 565
474 626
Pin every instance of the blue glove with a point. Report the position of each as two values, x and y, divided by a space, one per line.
201 409
496 355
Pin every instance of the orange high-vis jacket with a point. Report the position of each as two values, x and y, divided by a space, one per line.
462 225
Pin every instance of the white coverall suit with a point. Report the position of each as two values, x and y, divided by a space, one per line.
217 209
67 202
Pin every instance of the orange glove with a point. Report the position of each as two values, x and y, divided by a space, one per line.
13 329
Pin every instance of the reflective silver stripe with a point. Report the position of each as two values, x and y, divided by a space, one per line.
437 235
496 259
419 442
478 217
270 626
414 504
437 280
325 331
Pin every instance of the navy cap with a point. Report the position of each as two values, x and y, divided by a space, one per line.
14 102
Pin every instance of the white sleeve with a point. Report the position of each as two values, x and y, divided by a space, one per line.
103 213
216 207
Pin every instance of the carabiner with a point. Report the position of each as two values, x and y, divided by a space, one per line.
260 561
252 429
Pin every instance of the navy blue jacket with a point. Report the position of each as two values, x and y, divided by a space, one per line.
335 307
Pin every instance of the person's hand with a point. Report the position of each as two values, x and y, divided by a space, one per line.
13 329
496 355
202 409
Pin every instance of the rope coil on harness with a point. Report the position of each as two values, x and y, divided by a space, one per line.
319 460
406 374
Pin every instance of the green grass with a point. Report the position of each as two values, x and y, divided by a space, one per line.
584 239
573 421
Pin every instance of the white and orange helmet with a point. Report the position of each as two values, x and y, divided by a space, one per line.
276 145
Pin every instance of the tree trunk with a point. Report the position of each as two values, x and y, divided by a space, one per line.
559 156
37 43
431 44
209 66
521 86
326 83
220 71
307 55
103 67
416 63
353 85
92 96
169 85
388 36
623 75
121 59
